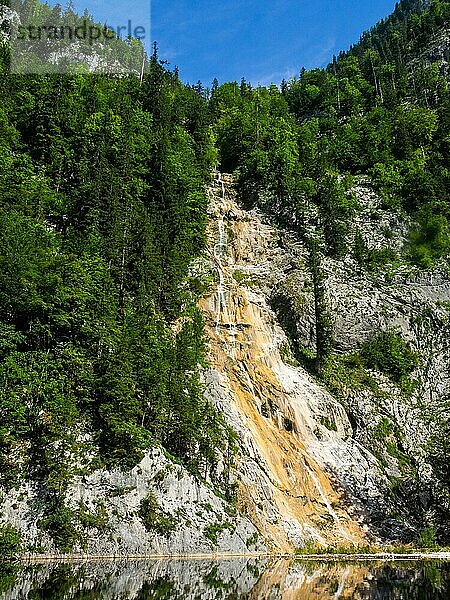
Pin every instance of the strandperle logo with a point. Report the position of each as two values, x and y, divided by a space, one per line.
46 39
86 31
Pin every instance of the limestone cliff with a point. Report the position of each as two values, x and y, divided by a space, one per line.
185 515
275 407
338 464
313 466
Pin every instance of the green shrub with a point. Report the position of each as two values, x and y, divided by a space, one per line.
330 424
98 518
381 256
239 276
349 372
388 179
215 529
427 538
155 519
252 540
389 353
10 541
360 250
430 239
421 256
59 523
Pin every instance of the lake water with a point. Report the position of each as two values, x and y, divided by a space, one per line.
227 579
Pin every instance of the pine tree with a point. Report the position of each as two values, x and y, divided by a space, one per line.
323 320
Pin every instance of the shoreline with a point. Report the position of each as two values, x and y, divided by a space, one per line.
82 558
381 556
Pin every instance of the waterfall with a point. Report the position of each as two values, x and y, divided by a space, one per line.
249 372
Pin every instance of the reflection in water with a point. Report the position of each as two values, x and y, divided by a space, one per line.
226 579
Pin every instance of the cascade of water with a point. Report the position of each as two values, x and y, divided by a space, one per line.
245 345
327 503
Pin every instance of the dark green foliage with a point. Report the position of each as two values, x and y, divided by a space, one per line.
328 423
59 522
430 239
215 529
102 209
324 324
336 209
257 134
154 519
389 353
427 538
360 249
10 541
97 518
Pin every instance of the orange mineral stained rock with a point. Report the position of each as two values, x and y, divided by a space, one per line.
284 489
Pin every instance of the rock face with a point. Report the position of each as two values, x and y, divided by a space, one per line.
199 521
277 409
8 18
315 468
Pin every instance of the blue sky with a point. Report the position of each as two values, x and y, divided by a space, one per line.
256 39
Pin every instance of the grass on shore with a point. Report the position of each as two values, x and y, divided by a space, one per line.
316 549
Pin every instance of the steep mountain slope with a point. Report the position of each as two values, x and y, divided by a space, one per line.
157 508
352 161
194 362
274 407
329 468
102 210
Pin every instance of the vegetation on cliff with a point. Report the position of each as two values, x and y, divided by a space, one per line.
378 113
103 209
